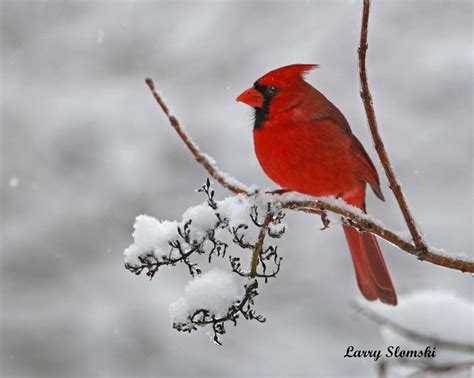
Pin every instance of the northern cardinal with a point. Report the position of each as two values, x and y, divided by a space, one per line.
305 144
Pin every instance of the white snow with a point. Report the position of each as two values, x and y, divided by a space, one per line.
433 313
277 228
236 209
150 235
228 178
442 252
215 291
203 219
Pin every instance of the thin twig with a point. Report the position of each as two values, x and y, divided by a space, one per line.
378 143
201 158
317 206
410 334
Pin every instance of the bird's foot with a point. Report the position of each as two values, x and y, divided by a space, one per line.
325 220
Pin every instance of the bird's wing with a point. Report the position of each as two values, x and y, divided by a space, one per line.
363 167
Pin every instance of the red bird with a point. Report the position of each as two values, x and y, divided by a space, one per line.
305 144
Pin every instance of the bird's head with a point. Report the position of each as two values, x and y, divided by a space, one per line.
277 91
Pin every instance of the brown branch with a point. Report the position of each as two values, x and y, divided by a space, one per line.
410 334
317 206
364 223
378 143
201 158
259 245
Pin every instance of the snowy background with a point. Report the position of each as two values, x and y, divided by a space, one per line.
85 149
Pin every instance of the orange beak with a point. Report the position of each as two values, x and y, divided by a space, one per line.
251 97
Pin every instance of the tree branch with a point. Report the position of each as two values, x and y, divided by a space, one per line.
410 334
366 223
378 143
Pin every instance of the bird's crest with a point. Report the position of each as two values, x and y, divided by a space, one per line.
287 73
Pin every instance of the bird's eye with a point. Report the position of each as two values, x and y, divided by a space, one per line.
271 91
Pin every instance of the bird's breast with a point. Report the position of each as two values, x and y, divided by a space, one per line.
311 158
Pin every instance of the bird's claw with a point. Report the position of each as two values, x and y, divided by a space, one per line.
325 220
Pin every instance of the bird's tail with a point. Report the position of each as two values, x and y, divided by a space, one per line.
371 272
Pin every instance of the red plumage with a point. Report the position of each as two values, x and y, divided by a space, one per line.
305 144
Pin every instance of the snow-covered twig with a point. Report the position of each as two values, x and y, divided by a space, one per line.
409 333
377 139
166 243
452 346
203 317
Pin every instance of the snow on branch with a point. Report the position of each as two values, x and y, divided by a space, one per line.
159 243
214 298
415 324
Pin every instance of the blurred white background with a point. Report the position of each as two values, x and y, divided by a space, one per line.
85 149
